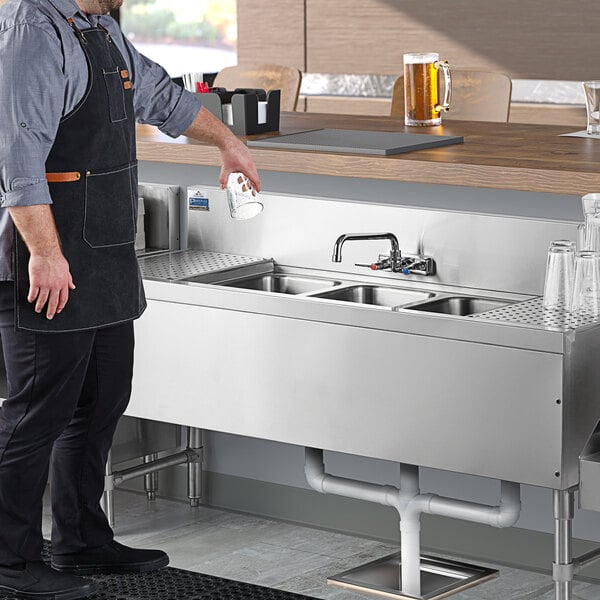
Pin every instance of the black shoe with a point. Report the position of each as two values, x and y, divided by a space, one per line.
37 581
110 558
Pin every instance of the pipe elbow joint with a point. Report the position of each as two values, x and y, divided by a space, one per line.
314 469
509 510
507 516
315 479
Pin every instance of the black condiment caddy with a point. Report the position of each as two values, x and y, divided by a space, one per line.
244 106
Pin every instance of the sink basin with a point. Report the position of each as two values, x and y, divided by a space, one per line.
375 295
283 284
459 305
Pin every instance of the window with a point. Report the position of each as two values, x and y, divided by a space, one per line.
183 36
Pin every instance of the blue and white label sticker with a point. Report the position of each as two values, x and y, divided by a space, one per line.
198 199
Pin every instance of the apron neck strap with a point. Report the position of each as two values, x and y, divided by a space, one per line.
77 31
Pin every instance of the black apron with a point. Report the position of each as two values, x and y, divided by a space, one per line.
92 174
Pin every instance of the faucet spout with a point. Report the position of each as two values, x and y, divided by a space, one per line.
347 237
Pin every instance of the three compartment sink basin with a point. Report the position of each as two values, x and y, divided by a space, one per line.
459 305
281 283
374 295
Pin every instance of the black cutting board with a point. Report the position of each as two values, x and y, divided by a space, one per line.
382 143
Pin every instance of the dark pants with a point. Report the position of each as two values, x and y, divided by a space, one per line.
66 392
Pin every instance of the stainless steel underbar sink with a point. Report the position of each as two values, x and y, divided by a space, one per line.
281 283
374 295
459 305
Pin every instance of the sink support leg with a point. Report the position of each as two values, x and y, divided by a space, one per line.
151 479
563 567
195 468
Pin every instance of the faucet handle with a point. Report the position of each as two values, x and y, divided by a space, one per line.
382 263
417 265
385 261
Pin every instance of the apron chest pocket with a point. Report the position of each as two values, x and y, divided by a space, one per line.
110 203
116 95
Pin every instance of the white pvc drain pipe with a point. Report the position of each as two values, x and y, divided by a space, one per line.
410 504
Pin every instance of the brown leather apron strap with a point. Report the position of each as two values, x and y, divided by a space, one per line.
63 177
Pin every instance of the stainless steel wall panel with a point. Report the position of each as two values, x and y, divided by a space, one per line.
471 250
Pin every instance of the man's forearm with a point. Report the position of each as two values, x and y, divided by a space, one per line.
207 128
36 226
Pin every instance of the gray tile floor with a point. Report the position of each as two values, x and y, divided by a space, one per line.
281 555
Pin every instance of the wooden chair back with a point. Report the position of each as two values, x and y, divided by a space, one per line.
265 76
476 96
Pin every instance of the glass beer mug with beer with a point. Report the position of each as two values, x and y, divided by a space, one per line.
422 88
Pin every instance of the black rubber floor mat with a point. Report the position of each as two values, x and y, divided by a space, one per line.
177 584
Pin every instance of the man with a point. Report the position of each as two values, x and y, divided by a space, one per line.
71 89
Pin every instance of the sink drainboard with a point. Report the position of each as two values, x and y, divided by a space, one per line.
186 263
532 312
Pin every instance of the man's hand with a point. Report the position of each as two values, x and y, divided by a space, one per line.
49 283
49 276
235 156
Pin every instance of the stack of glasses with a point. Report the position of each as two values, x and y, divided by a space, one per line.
573 273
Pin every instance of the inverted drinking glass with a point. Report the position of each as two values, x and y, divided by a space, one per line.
586 289
560 268
590 204
242 197
592 232
588 234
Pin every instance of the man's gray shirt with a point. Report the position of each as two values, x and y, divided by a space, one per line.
43 75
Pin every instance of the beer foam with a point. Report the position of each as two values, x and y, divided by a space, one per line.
421 58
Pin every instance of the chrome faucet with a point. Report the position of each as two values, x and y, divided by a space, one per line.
347 237
419 265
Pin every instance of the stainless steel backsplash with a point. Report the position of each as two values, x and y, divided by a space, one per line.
489 252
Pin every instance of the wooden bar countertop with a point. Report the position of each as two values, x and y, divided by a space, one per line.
494 155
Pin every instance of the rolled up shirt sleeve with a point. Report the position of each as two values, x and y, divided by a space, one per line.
27 192
159 101
32 95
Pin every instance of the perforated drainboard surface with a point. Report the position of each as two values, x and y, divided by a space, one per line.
177 584
532 313
186 263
